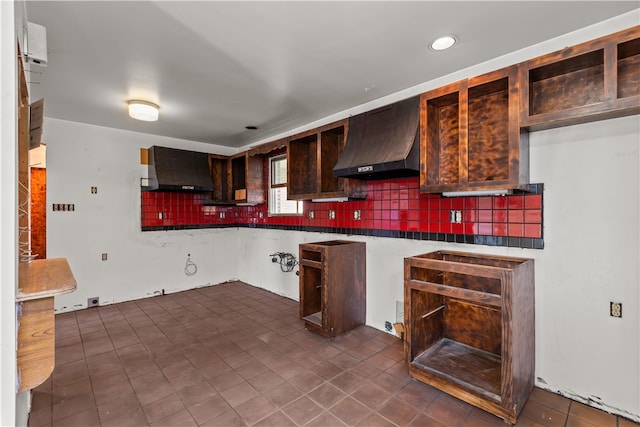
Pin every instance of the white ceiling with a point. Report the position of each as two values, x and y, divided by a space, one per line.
215 67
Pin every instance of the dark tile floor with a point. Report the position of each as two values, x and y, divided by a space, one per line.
236 355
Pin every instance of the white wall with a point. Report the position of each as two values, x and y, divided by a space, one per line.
139 264
591 256
8 222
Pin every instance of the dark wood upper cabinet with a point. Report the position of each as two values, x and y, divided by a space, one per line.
311 156
470 135
247 178
236 179
219 168
592 81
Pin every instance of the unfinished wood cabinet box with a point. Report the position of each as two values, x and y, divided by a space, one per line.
311 157
592 81
332 286
469 327
470 135
237 179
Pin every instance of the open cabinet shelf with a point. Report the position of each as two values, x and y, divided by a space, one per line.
311 156
596 80
469 325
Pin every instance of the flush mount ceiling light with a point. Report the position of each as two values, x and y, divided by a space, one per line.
143 110
442 43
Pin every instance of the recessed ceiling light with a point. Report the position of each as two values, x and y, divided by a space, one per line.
251 127
143 110
443 43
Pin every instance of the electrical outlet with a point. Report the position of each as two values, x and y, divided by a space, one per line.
104 256
94 190
311 214
388 326
356 214
455 217
332 214
615 309
93 302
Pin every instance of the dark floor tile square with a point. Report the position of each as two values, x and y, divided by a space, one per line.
550 400
209 409
397 411
179 419
423 420
326 370
543 414
418 395
326 395
112 391
282 394
255 409
163 408
371 395
118 407
239 394
135 418
69 391
350 411
302 410
85 418
266 381
375 420
306 381
447 410
72 406
228 419
326 419
347 382
277 419
591 415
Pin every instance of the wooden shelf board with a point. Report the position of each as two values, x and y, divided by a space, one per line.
474 370
44 278
315 318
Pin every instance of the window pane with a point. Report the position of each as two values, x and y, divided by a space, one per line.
279 171
278 203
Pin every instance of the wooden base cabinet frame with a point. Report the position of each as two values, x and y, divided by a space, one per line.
333 286
469 327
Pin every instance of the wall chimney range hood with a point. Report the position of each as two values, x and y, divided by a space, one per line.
382 143
171 169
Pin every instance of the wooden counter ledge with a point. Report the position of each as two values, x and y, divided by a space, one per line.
43 278
38 282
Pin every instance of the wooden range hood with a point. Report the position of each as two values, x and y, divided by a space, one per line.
383 143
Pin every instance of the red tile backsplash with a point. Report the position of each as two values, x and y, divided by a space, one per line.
394 205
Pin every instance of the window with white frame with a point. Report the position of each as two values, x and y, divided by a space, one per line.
278 203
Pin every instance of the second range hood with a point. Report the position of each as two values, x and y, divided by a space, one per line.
382 143
171 169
